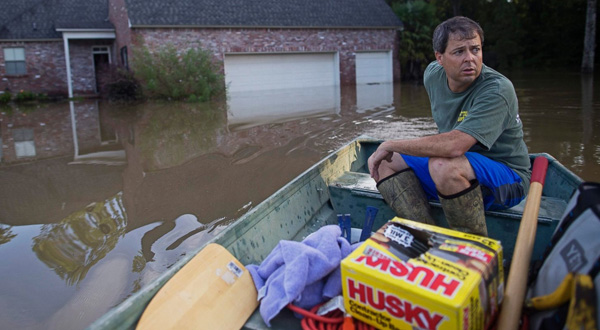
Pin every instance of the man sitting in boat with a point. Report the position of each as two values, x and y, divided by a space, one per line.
479 160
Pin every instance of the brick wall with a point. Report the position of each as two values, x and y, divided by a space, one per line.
117 13
82 64
46 69
222 41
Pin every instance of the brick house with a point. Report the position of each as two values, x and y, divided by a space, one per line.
260 44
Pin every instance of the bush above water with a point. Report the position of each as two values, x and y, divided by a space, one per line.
167 73
5 97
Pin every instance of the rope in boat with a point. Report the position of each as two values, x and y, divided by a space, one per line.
334 320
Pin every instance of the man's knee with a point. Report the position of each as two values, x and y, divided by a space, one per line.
389 168
447 170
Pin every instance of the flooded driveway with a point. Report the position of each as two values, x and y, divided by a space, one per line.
97 199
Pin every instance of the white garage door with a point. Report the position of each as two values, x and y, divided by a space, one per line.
251 72
374 67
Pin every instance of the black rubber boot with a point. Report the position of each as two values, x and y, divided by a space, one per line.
464 210
403 192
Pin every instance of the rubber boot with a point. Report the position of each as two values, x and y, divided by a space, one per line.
465 211
403 192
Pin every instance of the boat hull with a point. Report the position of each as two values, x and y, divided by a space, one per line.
339 184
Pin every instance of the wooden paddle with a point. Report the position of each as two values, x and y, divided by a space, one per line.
212 291
519 267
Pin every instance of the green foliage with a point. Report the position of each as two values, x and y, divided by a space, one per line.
416 51
24 96
5 97
518 33
553 32
503 32
121 85
169 74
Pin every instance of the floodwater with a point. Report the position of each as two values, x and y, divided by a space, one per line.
97 199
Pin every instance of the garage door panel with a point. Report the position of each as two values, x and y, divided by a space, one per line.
374 67
280 71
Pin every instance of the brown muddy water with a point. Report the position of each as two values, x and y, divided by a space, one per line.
97 199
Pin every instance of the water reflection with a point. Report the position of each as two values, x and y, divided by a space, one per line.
98 145
560 116
98 199
71 247
81 130
251 108
371 96
6 234
163 137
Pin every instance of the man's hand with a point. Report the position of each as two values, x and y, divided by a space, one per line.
375 160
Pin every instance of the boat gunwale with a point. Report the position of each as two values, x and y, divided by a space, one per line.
126 314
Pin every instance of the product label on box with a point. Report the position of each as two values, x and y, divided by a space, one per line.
420 275
381 301
410 275
399 235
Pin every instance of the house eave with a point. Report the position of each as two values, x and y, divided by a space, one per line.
87 33
31 40
83 30
79 34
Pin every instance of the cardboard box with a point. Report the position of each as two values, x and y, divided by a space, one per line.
411 275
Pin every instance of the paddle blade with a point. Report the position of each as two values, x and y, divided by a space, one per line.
212 291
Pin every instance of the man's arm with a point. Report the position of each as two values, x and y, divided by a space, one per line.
448 145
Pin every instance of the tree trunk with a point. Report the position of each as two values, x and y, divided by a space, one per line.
456 7
589 43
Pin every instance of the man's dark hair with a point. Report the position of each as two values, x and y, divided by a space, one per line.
463 27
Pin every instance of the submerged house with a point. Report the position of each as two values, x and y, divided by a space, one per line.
61 46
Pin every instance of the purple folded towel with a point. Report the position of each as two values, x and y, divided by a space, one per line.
304 273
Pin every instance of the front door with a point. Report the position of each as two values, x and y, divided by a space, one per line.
101 65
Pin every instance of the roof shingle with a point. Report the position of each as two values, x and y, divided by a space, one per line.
39 19
262 13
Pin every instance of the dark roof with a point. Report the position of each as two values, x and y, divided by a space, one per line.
39 19
262 13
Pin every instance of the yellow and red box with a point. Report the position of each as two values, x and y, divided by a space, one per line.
411 275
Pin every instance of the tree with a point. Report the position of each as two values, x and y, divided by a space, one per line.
416 50
589 41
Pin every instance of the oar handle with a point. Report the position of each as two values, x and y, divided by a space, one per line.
516 284
540 167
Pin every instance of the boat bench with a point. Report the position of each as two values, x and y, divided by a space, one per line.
361 184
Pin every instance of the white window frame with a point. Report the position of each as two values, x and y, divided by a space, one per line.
102 50
14 61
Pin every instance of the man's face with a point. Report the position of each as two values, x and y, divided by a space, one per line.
462 62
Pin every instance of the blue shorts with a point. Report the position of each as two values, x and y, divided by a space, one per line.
501 186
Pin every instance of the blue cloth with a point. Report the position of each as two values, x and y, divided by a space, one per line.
303 273
501 187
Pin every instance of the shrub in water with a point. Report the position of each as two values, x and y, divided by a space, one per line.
5 97
120 85
24 96
168 74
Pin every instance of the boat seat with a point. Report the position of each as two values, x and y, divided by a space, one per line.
361 184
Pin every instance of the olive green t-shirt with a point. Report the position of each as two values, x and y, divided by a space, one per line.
488 111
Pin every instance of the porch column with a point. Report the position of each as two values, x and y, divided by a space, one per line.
68 62
87 34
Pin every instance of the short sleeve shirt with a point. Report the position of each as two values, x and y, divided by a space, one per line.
488 111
